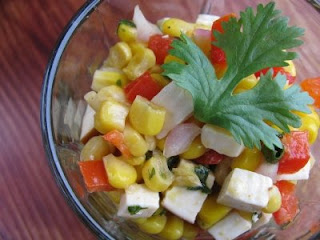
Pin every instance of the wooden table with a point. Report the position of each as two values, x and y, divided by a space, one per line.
31 206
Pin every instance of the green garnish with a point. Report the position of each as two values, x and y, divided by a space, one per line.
202 173
135 209
119 83
152 173
252 43
173 162
126 22
272 156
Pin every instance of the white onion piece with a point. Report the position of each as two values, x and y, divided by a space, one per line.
269 170
145 29
206 19
180 138
178 104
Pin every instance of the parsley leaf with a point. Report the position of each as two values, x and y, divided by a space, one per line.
135 209
252 43
202 173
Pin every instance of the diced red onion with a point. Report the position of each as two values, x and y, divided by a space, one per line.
180 138
268 169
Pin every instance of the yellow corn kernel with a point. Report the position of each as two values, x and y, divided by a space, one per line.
115 196
134 141
156 174
211 212
151 142
170 58
249 159
134 161
163 81
127 32
139 173
156 69
137 47
160 143
140 62
190 231
146 117
120 174
111 115
138 220
246 215
174 27
246 84
92 99
95 149
274 203
154 224
195 150
107 77
291 68
173 229
119 56
111 92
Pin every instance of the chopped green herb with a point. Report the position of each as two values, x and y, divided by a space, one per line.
135 209
149 155
119 83
173 162
126 22
202 173
152 173
272 156
254 42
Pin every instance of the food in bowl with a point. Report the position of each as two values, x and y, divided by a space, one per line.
200 125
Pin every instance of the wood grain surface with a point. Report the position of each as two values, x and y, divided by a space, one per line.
31 205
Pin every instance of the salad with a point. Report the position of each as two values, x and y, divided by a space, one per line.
194 127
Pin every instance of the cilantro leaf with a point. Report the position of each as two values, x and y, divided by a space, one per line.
251 43
135 209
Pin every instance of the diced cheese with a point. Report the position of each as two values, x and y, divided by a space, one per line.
173 97
87 127
230 227
264 219
206 20
302 174
138 196
245 190
185 203
220 141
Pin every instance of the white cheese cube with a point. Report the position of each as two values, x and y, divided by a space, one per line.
173 97
264 219
230 227
245 190
219 140
302 174
206 20
185 203
138 202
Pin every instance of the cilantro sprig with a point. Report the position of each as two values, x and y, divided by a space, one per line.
251 43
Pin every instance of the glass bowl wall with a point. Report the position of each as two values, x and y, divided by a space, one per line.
82 48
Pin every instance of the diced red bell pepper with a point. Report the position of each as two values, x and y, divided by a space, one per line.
160 45
117 139
289 203
312 86
277 70
296 152
95 176
144 86
210 157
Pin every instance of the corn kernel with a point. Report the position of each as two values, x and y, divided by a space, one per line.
173 229
190 231
160 143
195 150
120 174
173 27
156 174
249 159
95 149
134 141
163 81
137 47
138 220
274 203
156 69
211 212
119 56
154 224
111 115
146 117
111 92
134 161
92 100
107 77
140 63
171 58
246 84
151 142
126 32
291 68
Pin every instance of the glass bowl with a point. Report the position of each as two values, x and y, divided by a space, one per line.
81 49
